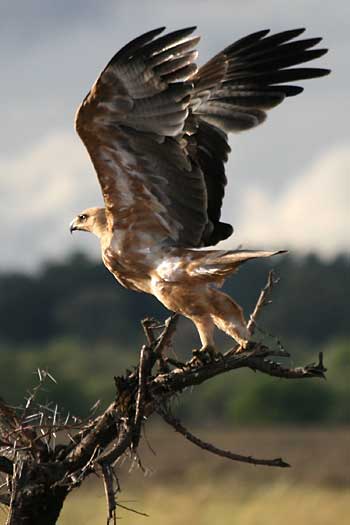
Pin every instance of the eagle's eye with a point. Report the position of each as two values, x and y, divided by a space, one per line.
82 217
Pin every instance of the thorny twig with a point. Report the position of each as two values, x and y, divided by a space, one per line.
132 510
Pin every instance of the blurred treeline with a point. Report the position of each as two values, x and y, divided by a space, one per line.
73 319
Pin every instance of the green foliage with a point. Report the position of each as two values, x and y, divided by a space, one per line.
273 402
310 301
80 298
251 398
84 374
339 374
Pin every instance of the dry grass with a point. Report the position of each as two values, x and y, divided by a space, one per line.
208 503
318 456
189 486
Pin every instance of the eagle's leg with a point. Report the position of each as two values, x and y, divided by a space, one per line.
228 317
205 327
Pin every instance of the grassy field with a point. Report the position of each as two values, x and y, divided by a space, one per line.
207 502
183 484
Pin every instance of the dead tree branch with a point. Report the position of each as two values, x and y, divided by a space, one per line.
166 336
108 482
144 370
177 425
44 472
165 385
262 301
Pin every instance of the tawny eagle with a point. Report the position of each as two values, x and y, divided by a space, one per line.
155 126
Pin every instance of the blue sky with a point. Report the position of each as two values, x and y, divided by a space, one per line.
288 179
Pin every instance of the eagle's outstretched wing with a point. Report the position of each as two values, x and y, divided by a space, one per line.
155 127
153 191
233 91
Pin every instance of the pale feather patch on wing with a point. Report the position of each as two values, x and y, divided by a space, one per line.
142 219
171 269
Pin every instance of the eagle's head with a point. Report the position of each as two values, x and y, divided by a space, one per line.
91 220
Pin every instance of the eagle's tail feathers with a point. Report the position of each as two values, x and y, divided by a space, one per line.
221 263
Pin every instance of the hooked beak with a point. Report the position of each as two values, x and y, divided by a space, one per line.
73 226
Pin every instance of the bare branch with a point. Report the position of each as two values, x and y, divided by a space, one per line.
166 385
147 325
132 510
108 483
124 441
166 336
262 300
276 369
144 370
175 423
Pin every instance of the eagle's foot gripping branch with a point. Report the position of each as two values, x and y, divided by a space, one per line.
250 346
205 355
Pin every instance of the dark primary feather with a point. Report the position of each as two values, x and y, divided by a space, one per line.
254 66
233 91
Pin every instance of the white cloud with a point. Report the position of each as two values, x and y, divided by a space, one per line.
311 214
46 186
42 190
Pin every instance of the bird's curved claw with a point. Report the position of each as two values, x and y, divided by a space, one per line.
204 355
248 347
